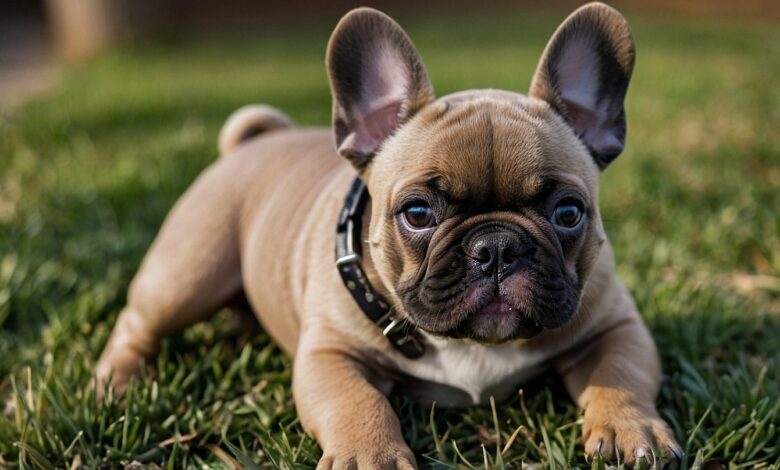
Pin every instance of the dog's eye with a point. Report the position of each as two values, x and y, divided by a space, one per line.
419 216
567 215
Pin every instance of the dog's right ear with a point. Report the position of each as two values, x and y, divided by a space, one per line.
377 80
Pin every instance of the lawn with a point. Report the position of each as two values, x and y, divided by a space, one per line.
88 171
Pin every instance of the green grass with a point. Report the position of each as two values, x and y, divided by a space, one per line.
88 172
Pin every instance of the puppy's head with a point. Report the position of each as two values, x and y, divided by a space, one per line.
485 223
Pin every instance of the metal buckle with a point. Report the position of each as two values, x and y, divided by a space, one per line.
394 322
347 259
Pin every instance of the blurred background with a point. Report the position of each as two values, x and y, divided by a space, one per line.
36 33
109 109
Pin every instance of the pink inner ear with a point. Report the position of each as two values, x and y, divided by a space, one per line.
386 80
384 89
578 76
368 132
578 84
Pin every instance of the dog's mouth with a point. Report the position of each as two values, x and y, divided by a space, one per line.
499 321
492 313
496 320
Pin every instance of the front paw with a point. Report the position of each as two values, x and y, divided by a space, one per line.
627 434
367 455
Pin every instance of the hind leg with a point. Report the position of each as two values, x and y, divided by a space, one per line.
191 270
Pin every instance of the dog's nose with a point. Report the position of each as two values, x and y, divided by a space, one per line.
495 253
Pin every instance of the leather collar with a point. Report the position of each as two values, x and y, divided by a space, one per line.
378 310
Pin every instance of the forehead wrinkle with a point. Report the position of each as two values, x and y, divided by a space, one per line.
462 155
512 152
497 150
485 148
453 116
517 159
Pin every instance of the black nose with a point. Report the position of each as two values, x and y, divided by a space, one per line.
496 253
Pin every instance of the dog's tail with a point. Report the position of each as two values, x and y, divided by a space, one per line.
247 122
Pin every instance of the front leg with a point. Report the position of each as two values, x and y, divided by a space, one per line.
348 416
616 380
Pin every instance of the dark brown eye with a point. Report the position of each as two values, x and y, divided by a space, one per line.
419 216
567 215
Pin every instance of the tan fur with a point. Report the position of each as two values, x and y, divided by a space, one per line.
262 222
247 122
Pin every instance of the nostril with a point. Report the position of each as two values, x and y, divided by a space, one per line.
496 252
510 254
483 254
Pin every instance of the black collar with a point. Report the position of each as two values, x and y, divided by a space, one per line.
348 261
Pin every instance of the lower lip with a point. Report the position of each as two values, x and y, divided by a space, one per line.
502 316
496 309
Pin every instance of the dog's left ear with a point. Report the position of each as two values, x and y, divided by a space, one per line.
377 79
584 74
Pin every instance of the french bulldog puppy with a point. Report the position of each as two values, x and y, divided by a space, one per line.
481 231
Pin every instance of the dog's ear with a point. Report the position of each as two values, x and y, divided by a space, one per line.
584 74
377 80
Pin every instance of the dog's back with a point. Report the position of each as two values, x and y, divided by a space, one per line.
279 180
241 218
